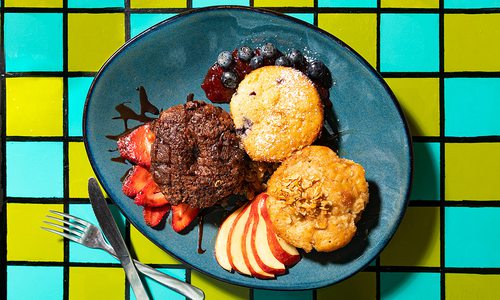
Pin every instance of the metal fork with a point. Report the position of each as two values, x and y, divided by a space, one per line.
89 235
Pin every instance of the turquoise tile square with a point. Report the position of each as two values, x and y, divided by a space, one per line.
471 237
158 291
347 3
82 254
33 42
282 295
34 169
309 18
202 3
77 92
472 106
141 22
409 42
95 3
30 282
426 182
471 4
409 286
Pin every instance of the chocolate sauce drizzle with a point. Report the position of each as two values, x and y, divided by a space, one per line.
126 113
200 232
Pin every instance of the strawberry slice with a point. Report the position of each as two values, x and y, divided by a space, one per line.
137 177
182 216
136 145
151 195
154 215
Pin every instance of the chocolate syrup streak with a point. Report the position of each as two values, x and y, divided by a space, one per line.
126 113
200 232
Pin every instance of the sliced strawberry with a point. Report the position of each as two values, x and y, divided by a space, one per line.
136 145
137 177
182 216
151 195
154 215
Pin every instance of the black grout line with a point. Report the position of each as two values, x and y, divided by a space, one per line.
3 175
66 269
442 124
357 10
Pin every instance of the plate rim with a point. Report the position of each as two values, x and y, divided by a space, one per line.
359 58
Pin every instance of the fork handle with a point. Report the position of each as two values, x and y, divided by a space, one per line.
177 285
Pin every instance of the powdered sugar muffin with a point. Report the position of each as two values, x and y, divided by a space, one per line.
276 111
315 199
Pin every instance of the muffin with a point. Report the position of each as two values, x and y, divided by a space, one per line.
276 111
196 157
316 199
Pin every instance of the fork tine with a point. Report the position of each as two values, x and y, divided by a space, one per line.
63 234
65 228
83 222
76 225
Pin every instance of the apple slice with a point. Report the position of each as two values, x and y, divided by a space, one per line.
248 254
282 251
260 245
234 242
222 238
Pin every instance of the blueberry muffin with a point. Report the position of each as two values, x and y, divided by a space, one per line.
276 111
196 157
316 199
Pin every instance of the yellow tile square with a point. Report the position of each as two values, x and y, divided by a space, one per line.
472 286
280 3
93 38
350 288
419 98
96 283
34 106
472 171
26 241
147 252
33 3
79 170
471 42
216 289
410 3
357 30
417 240
157 3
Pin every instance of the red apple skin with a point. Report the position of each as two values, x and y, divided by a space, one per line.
284 252
248 255
222 239
234 250
269 263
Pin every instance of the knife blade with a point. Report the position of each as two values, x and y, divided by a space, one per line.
112 233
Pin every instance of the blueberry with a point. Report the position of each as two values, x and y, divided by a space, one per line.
282 61
229 80
268 50
225 59
256 62
296 58
318 72
245 53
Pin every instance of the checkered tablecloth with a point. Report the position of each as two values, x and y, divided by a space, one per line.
441 58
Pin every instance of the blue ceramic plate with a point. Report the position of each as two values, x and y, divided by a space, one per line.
170 60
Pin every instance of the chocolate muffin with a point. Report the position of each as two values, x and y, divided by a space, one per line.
196 157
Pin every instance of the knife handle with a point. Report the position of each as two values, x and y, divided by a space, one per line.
177 285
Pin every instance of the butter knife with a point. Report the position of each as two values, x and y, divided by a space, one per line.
108 226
